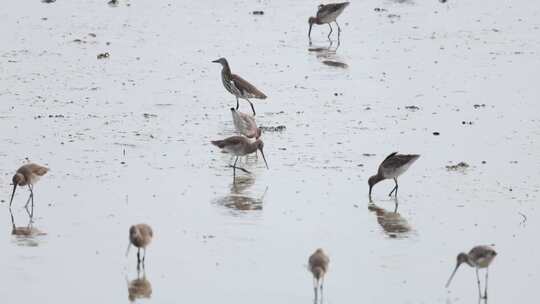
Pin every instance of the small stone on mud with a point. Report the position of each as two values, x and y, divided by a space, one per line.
436 133
258 13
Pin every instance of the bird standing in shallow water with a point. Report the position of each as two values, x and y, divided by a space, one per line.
245 124
318 265
240 146
140 236
392 166
478 257
326 14
237 86
27 175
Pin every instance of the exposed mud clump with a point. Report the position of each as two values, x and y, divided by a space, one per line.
412 108
457 167
103 55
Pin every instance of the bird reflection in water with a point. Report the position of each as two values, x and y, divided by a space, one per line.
25 235
238 199
139 288
328 55
393 224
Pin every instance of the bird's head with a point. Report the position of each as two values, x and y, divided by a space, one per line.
222 61
18 179
311 20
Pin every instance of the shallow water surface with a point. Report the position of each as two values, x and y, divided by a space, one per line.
127 138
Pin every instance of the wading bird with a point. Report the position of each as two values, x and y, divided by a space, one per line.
140 236
245 124
240 146
237 86
318 265
27 175
392 166
478 257
326 14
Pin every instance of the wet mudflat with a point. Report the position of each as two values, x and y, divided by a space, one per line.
121 103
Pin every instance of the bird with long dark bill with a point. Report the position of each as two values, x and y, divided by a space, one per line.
326 14
392 166
479 257
27 175
240 146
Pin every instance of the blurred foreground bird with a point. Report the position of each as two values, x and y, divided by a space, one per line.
318 265
479 257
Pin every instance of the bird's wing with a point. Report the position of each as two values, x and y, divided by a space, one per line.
246 88
325 10
481 252
229 141
395 160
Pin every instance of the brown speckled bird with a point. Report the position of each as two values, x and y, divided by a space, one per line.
237 86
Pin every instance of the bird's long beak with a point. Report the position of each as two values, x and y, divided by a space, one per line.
262 153
451 276
309 32
12 194
127 251
370 188
215 61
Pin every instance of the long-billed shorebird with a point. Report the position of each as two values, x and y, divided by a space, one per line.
140 236
392 166
478 257
27 175
318 265
245 124
240 146
326 14
237 86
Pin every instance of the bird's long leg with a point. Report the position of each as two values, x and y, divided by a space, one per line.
32 195
144 258
138 257
486 284
322 285
395 188
237 103
252 108
330 31
338 28
478 281
235 167
28 200
315 290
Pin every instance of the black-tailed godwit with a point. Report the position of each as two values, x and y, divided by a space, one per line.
392 166
326 14
479 257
